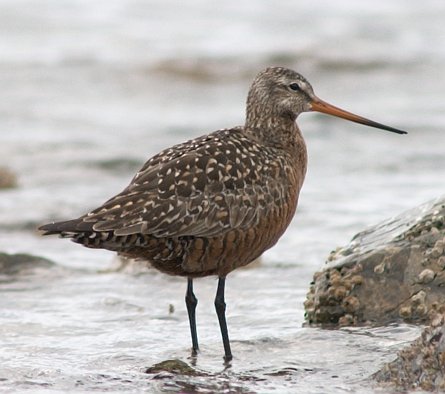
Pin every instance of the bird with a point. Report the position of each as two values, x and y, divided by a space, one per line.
217 202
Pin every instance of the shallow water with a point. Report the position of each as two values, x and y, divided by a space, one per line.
92 89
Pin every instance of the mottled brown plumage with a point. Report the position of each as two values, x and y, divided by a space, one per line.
217 202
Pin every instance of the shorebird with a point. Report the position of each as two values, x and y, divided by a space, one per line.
217 202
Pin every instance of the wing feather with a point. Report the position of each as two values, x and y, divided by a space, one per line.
204 187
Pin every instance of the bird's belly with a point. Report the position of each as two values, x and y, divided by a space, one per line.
238 247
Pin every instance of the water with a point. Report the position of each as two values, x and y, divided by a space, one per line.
91 89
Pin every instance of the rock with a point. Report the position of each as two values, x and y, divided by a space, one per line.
422 364
13 264
7 178
175 367
392 271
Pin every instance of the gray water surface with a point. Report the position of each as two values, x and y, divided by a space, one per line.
91 89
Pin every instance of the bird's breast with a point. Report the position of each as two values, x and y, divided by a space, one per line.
256 219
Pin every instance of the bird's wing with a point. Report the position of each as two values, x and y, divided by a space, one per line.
203 187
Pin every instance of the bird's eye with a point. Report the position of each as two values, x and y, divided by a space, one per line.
294 86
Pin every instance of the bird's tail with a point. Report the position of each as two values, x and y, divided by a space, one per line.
82 232
66 228
76 230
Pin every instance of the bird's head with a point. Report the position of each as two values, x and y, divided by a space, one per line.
278 92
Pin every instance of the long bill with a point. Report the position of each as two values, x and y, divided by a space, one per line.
326 108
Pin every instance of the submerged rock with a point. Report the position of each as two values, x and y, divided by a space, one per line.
175 367
13 264
422 364
392 271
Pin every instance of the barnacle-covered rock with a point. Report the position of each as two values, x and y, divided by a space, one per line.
421 364
392 271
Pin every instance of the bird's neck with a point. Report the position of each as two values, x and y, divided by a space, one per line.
284 137
277 130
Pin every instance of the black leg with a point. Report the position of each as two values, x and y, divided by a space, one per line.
220 307
191 302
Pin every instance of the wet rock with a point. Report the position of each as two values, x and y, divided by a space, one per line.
13 264
422 364
175 367
8 179
392 271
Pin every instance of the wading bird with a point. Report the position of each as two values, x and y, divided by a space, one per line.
217 202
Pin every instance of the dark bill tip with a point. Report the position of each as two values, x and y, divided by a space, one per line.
326 108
